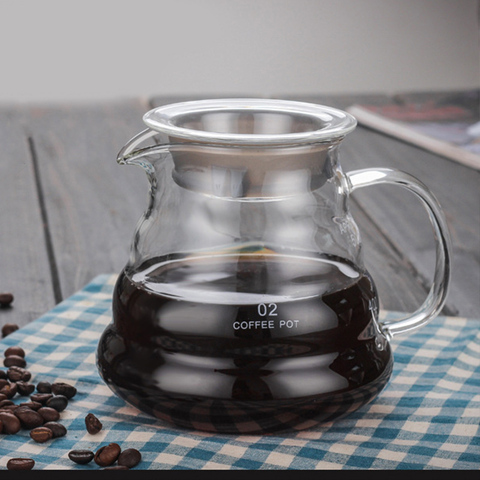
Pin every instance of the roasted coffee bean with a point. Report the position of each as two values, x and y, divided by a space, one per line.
16 374
9 328
14 360
10 390
41 434
33 405
19 351
81 457
58 402
5 403
41 397
3 397
20 464
107 455
9 408
93 424
3 382
3 374
58 430
44 387
49 414
130 457
29 418
6 299
11 423
25 388
60 388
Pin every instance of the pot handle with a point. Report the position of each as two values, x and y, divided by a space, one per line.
438 292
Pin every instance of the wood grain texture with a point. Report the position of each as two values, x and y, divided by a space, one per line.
24 263
401 218
93 204
69 210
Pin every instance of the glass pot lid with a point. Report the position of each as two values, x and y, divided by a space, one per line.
250 121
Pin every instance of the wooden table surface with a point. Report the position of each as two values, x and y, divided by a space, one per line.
68 211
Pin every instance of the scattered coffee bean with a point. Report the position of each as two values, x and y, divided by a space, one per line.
29 418
16 374
41 414
5 403
9 328
6 299
93 424
9 408
107 455
11 423
41 397
58 402
20 464
10 390
60 388
41 434
49 414
25 388
44 387
130 457
14 360
19 351
58 430
33 405
82 457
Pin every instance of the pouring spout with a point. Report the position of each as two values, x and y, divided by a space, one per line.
131 151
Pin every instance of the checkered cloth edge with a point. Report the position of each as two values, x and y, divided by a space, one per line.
427 418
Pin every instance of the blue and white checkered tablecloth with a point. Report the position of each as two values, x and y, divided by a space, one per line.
427 418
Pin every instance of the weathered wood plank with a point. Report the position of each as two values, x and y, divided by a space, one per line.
24 264
400 216
92 203
397 283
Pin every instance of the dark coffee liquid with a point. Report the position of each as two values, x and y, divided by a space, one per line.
245 343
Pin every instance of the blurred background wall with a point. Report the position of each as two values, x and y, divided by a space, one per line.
58 50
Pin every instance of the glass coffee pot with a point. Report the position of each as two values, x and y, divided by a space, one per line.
245 306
